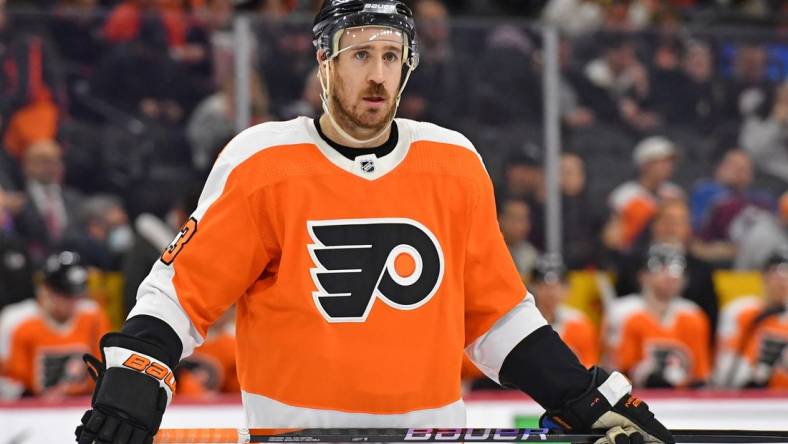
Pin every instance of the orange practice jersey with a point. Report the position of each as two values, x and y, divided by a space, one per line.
635 335
358 283
46 357
737 327
211 368
579 333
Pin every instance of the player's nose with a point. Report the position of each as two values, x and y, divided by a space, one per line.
377 72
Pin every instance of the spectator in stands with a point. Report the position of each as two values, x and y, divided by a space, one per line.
671 226
512 95
43 339
125 22
764 236
686 93
309 104
524 178
432 93
550 287
16 271
210 21
103 235
210 370
658 338
514 220
32 92
580 223
575 112
749 88
753 333
618 87
50 207
575 18
153 233
151 92
213 123
733 176
766 137
634 203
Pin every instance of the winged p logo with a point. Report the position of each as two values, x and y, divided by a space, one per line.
358 260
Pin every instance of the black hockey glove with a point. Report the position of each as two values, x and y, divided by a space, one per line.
132 390
608 407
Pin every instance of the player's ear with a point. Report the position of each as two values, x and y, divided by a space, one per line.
321 56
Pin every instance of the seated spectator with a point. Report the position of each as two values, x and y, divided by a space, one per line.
124 22
550 288
733 175
310 104
765 138
524 178
16 271
753 334
213 123
748 89
634 203
431 94
32 92
580 224
656 337
618 85
42 340
210 370
689 95
514 220
152 92
103 235
765 236
49 210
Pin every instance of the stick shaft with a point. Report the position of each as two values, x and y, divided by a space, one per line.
392 435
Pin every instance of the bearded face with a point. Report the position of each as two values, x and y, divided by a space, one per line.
364 80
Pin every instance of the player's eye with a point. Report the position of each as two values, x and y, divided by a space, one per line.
361 55
391 56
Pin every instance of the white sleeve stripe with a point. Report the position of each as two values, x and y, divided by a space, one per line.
615 387
490 350
156 302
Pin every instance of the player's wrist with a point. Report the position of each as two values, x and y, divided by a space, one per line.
136 361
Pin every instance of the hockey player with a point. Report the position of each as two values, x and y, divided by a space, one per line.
364 257
753 333
42 340
550 287
658 338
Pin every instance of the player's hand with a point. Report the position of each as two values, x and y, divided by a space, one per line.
607 406
132 391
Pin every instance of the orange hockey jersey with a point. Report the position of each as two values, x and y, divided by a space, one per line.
358 283
636 338
46 358
742 344
579 333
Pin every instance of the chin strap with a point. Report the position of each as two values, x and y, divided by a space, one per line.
326 84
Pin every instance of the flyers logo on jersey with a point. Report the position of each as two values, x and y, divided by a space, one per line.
398 261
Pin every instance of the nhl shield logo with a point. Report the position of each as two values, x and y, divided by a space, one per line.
368 166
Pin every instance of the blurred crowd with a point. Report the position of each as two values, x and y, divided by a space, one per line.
674 126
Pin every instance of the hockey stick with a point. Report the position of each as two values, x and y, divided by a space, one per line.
172 436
